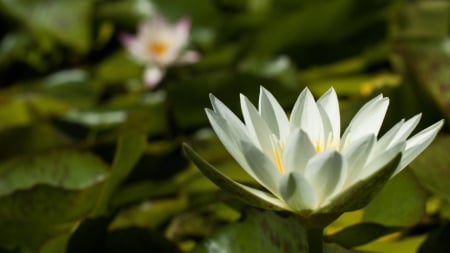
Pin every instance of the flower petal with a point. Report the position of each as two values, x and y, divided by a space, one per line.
418 143
298 150
182 31
305 115
265 171
134 48
297 192
273 114
362 192
330 105
367 120
397 133
379 161
256 126
326 172
152 76
229 137
356 155
236 125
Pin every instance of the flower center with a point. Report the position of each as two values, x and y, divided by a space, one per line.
158 47
277 147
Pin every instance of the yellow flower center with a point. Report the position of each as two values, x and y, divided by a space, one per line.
158 47
277 148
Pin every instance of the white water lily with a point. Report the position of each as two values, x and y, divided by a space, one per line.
303 161
159 45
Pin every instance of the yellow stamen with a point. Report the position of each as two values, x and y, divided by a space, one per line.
158 47
318 147
277 148
279 161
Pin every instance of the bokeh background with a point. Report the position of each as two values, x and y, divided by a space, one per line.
91 160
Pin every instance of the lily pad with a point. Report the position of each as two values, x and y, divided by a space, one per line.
432 167
400 203
262 232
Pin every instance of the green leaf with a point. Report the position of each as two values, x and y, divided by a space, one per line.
262 232
431 167
130 147
227 184
360 234
259 232
68 170
42 196
426 63
31 139
400 203
65 20
361 193
29 236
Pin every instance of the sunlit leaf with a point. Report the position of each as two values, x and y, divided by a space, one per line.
129 149
262 232
360 234
67 21
400 203
432 167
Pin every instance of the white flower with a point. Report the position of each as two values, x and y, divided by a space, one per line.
303 161
158 45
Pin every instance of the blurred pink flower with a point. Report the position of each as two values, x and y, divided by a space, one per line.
158 45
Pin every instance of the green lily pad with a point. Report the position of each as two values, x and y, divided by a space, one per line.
360 234
400 203
432 167
67 21
68 170
262 232
129 149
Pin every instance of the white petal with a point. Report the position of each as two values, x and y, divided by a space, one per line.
135 48
397 133
266 173
265 196
230 138
256 126
182 31
326 172
298 150
272 113
152 76
306 115
356 155
297 192
379 161
406 129
330 105
416 144
221 109
367 120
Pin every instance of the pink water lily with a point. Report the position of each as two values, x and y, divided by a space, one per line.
302 160
158 45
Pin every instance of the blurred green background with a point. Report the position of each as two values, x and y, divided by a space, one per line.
91 161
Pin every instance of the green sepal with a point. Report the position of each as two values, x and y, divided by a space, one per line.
244 193
361 193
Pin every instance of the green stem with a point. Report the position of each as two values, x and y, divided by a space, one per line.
315 240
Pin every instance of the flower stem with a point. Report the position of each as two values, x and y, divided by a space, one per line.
315 240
